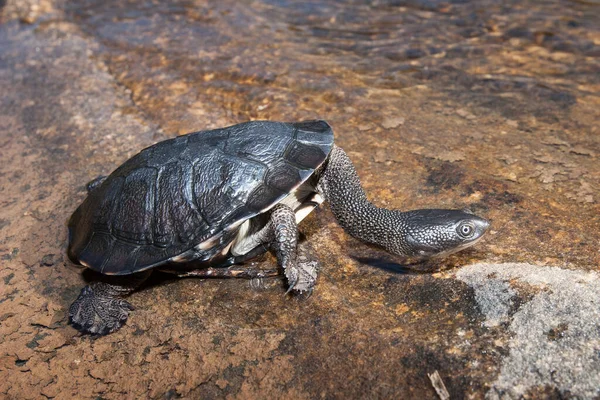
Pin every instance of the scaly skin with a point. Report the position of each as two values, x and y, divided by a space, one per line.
281 235
300 272
420 233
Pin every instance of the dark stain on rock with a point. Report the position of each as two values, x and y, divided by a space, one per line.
443 176
48 260
234 375
543 235
519 32
9 296
557 332
11 255
433 294
68 294
8 278
34 342
547 392
4 317
171 394
429 359
541 100
525 293
207 390
138 331
20 363
498 198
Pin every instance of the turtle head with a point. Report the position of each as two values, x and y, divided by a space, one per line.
434 233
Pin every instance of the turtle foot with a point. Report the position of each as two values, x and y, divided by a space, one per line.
98 313
303 277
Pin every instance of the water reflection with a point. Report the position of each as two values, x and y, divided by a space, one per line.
322 46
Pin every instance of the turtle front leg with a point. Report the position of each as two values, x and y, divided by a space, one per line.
300 271
100 308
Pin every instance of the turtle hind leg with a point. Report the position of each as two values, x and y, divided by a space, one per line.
100 308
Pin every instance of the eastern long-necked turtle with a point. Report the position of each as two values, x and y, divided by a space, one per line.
219 197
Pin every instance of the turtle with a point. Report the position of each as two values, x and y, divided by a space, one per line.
214 199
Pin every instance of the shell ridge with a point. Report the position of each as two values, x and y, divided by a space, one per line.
157 200
113 205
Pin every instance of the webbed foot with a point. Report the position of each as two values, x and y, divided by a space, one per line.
97 312
303 277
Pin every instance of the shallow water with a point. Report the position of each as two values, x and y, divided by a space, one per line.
244 57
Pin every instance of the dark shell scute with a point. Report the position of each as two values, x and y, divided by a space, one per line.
146 255
260 148
167 152
94 254
305 156
177 217
197 149
222 183
122 256
106 195
311 133
262 197
283 177
213 139
135 162
317 126
133 212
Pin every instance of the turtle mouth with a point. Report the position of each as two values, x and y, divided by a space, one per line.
458 248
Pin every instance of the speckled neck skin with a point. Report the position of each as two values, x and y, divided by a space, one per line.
359 217
422 233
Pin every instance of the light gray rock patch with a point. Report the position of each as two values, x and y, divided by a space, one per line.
555 337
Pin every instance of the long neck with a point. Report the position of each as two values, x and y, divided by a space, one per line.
340 184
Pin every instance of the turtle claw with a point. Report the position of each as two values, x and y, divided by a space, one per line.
98 314
292 277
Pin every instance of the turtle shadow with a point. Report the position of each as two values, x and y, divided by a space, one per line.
165 276
415 266
403 267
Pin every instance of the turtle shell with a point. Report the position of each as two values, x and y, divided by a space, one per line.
191 190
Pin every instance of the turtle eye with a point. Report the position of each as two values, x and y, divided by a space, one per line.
465 230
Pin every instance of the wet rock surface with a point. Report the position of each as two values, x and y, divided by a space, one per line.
486 105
